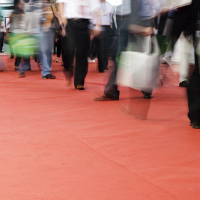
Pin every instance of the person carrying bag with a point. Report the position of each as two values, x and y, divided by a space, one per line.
139 65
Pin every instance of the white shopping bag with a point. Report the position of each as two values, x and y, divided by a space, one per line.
140 70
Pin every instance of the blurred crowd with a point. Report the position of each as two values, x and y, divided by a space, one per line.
136 36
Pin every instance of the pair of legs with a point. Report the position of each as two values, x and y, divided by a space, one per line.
18 61
103 43
47 40
76 44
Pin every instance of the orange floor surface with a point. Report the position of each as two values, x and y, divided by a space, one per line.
56 143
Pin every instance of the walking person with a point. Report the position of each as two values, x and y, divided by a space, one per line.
76 16
104 39
25 32
129 23
47 38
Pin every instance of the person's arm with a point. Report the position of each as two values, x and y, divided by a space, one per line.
97 28
111 17
63 20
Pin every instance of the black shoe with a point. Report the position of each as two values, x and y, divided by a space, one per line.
11 56
183 84
147 95
101 71
49 76
79 87
195 126
29 68
106 97
21 75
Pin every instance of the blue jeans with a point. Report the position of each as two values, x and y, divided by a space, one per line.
47 41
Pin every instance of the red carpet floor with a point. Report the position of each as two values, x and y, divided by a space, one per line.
56 143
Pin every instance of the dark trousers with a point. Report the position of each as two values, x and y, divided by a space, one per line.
58 48
1 41
18 61
185 24
93 49
103 46
76 43
111 86
193 94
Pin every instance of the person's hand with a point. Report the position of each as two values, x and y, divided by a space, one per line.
145 31
63 32
95 32
148 31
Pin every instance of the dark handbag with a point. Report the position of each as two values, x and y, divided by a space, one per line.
55 22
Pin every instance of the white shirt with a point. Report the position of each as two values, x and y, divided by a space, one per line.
80 9
125 8
106 12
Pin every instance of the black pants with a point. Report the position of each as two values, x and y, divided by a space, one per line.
93 49
1 41
193 94
103 46
76 43
58 47
185 24
111 86
122 41
18 61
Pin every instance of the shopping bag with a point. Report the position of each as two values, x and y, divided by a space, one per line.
140 70
24 45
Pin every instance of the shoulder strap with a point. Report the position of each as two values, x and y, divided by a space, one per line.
52 10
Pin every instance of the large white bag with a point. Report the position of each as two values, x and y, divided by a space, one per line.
140 70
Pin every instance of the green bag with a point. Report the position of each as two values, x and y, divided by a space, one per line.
24 45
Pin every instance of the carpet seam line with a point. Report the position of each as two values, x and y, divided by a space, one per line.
119 164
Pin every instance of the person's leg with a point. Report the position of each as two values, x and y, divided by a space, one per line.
186 48
29 63
11 51
1 41
193 92
111 86
68 50
100 51
58 48
108 40
17 62
47 45
111 92
24 65
82 49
